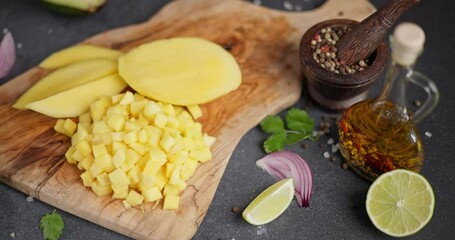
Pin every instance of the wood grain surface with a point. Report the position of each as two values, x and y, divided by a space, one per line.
265 44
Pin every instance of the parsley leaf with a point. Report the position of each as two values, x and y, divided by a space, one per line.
275 142
272 124
300 126
299 120
52 226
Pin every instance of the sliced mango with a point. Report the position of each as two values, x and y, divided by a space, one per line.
66 78
78 53
181 71
77 100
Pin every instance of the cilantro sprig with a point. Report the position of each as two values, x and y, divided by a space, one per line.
299 127
52 226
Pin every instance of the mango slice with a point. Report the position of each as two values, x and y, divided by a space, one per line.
67 77
77 100
76 54
181 71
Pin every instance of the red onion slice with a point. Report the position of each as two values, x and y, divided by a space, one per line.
285 164
7 54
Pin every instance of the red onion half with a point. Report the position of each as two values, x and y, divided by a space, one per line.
7 54
285 164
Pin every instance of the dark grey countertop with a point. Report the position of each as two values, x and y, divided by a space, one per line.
337 206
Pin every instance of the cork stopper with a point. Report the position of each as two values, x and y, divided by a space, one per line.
407 43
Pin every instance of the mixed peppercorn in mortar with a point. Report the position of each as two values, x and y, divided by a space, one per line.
325 51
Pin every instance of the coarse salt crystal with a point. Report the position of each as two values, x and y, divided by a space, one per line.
326 155
287 5
428 134
13 235
29 199
334 148
330 141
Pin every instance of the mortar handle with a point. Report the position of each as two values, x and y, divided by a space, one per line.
364 38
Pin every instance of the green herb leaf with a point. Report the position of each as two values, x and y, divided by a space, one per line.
275 142
52 226
299 120
272 124
294 138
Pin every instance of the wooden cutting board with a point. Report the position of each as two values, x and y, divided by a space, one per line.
265 44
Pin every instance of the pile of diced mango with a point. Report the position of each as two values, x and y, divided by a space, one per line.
137 149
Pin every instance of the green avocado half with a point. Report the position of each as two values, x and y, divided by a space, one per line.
74 7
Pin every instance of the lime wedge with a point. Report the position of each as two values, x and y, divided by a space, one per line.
270 204
400 202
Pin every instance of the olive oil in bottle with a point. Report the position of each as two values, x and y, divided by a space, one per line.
379 135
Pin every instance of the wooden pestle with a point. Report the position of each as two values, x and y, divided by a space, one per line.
364 38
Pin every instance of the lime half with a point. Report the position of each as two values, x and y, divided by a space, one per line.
400 202
270 204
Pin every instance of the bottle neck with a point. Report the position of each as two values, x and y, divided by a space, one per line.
394 90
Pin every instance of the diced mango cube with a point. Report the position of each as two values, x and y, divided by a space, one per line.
116 98
173 122
157 155
134 198
103 179
121 193
152 194
170 167
119 158
209 140
85 119
99 127
119 178
134 175
95 170
69 127
118 145
69 155
151 109
84 147
105 162
88 161
101 190
188 143
130 137
177 109
117 136
58 127
97 112
147 180
171 202
78 156
137 107
132 156
132 126
116 122
184 114
175 176
160 120
202 154
128 98
152 167
138 147
161 179
168 109
167 142
126 204
87 178
170 189
80 135
195 111
99 150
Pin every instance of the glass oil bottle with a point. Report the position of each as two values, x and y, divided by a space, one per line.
379 135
